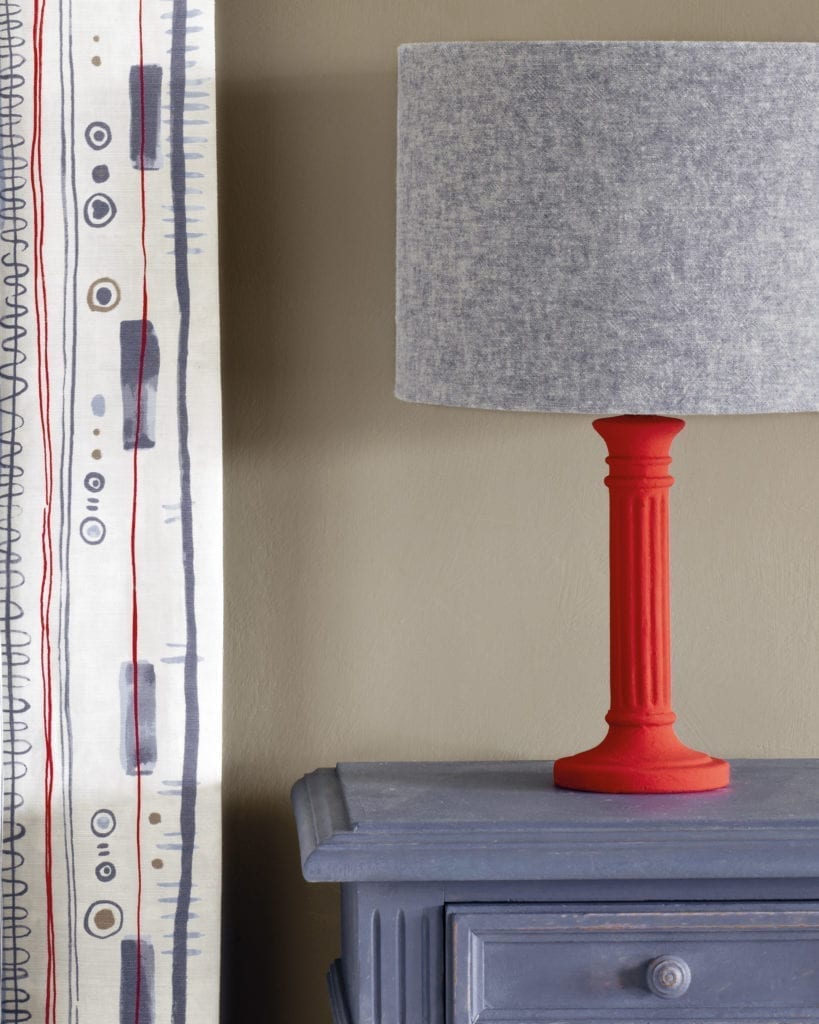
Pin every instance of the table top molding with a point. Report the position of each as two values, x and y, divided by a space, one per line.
505 821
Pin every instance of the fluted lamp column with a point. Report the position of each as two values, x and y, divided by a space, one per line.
621 229
641 751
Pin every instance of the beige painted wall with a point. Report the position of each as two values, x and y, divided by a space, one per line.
419 583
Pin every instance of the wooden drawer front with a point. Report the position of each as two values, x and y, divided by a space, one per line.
549 964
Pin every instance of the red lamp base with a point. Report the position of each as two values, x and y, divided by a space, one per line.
641 759
641 753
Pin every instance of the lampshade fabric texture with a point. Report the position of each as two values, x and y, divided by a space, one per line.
609 227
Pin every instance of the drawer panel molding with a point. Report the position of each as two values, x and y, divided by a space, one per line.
717 963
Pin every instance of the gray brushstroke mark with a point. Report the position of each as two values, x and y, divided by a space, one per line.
130 347
98 405
15 639
100 174
146 717
129 971
187 805
145 87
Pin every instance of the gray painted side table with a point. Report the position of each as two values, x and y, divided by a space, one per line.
477 893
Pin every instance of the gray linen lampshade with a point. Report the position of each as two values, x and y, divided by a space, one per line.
609 227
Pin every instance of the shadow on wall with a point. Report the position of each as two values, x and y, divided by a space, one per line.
307 239
306 181
276 928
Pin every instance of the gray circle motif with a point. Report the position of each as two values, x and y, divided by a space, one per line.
98 135
103 822
105 871
99 210
92 530
94 482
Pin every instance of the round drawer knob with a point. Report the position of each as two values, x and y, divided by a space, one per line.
668 976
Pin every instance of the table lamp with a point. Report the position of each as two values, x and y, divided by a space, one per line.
629 229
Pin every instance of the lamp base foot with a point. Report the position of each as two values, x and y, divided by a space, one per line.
641 759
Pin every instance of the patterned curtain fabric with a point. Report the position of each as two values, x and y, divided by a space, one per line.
110 512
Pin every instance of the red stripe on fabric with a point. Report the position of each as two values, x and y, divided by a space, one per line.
46 533
134 506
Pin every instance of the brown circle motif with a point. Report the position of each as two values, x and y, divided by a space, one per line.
103 919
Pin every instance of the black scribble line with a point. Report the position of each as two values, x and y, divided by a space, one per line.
16 640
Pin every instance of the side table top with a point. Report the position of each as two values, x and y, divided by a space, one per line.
506 821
